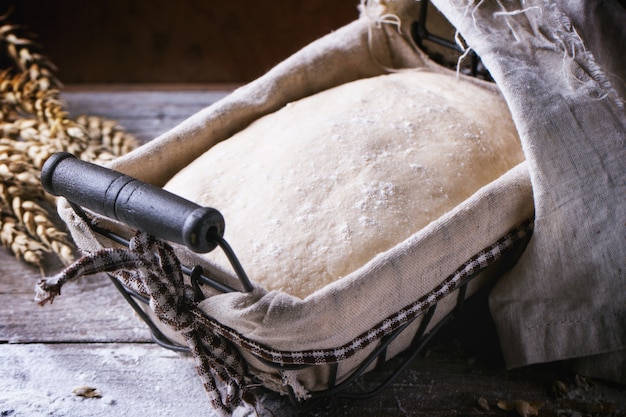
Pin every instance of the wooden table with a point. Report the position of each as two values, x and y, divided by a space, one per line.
90 336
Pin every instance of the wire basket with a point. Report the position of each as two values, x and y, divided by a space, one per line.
100 191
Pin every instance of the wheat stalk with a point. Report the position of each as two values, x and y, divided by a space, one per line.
33 125
16 239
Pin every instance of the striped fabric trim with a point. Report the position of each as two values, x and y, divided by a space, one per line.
475 264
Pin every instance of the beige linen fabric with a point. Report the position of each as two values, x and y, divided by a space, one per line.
566 297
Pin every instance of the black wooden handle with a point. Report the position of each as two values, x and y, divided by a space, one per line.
131 201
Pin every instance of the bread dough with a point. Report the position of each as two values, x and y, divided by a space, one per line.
314 191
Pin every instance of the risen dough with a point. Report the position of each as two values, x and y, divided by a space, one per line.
313 191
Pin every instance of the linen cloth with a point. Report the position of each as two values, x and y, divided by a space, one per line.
566 297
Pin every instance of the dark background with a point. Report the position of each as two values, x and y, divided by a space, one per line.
164 41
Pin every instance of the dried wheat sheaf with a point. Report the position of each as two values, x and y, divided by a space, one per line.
33 126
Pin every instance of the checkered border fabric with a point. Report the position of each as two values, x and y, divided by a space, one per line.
385 327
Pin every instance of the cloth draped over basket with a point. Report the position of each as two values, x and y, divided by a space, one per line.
565 297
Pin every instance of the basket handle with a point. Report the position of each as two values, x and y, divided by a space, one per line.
133 202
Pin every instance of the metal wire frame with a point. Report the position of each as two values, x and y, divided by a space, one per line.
420 34
420 341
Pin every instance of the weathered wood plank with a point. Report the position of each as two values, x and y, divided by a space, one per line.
140 104
134 380
143 379
145 114
90 310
